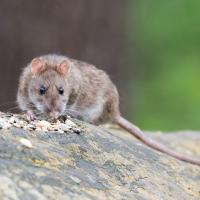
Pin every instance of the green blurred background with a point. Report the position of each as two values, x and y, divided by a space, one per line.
167 61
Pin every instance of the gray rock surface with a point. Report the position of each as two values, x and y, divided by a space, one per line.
99 163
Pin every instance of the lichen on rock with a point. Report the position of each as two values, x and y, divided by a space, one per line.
98 163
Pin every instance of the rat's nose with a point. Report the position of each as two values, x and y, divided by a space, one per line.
54 115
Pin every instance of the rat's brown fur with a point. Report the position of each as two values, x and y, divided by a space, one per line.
89 95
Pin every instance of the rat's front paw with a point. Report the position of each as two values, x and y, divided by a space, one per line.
30 116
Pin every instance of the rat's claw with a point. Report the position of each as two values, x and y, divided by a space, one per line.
30 116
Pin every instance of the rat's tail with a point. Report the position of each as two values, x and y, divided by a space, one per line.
135 131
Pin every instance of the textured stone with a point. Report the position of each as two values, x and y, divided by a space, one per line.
98 163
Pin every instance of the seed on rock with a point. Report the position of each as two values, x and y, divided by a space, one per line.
26 143
70 123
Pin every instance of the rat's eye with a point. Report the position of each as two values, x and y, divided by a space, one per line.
42 90
60 90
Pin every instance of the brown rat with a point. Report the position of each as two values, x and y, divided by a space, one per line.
54 85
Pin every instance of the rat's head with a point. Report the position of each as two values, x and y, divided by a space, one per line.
48 89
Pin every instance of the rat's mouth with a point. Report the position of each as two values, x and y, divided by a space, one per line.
53 115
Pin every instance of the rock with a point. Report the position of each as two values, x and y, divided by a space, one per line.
97 164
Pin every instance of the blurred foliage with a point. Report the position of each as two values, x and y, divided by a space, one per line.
167 59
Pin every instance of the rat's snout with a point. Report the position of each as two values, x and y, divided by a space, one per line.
53 108
53 115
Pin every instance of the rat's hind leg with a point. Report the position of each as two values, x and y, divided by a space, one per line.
108 113
91 114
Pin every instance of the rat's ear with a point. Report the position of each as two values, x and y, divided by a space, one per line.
37 66
63 68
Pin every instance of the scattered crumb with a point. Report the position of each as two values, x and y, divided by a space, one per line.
26 143
75 179
8 120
